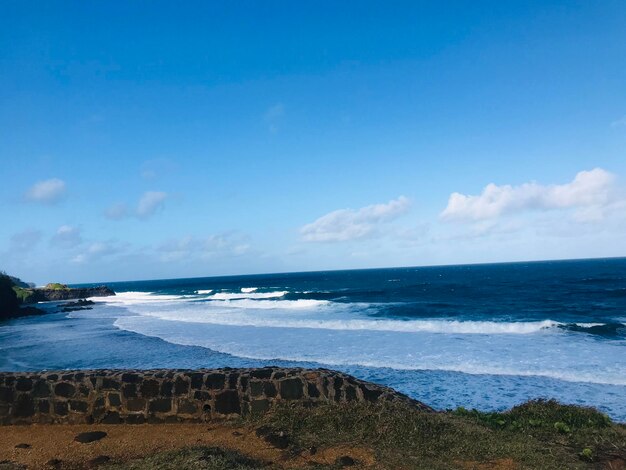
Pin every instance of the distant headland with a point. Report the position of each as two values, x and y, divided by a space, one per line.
17 296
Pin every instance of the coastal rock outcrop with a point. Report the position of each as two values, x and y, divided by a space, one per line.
46 294
170 396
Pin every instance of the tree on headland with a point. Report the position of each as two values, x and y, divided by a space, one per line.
9 303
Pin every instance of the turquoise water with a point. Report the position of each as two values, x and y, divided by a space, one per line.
484 336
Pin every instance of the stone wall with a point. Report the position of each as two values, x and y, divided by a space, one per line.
157 396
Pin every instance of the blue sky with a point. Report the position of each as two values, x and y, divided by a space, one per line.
151 139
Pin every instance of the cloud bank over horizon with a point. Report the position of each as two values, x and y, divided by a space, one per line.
590 194
593 200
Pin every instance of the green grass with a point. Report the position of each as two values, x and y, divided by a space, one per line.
24 295
536 435
56 286
201 458
403 437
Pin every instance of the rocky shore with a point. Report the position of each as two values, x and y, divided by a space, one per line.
47 294
17 298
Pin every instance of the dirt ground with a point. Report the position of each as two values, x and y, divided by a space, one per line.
48 443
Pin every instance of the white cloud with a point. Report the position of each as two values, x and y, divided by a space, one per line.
67 237
150 202
352 224
273 116
46 192
116 211
222 245
97 250
589 194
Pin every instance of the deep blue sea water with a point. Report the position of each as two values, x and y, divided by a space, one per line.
483 336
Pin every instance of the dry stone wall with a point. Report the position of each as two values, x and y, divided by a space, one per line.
163 396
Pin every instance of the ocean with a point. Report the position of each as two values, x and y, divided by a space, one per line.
479 336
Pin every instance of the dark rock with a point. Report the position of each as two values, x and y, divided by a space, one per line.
64 389
237 434
90 436
45 295
24 406
135 419
131 378
166 389
345 461
269 389
110 384
312 450
350 393
23 446
6 394
111 417
337 383
181 387
370 395
256 388
279 375
129 391
215 381
97 461
114 399
187 407
227 402
277 439
41 389
136 404
263 430
291 389
160 405
23 384
149 388
259 406
232 380
44 406
203 396
264 373
54 463
79 406
196 381
313 391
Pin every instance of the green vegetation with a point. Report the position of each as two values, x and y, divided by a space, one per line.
24 295
536 435
405 438
207 458
56 286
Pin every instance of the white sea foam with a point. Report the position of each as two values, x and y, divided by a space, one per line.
247 295
247 290
251 318
550 356
130 298
204 291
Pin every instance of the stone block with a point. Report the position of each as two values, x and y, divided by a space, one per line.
215 381
64 389
160 405
136 404
291 389
227 402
